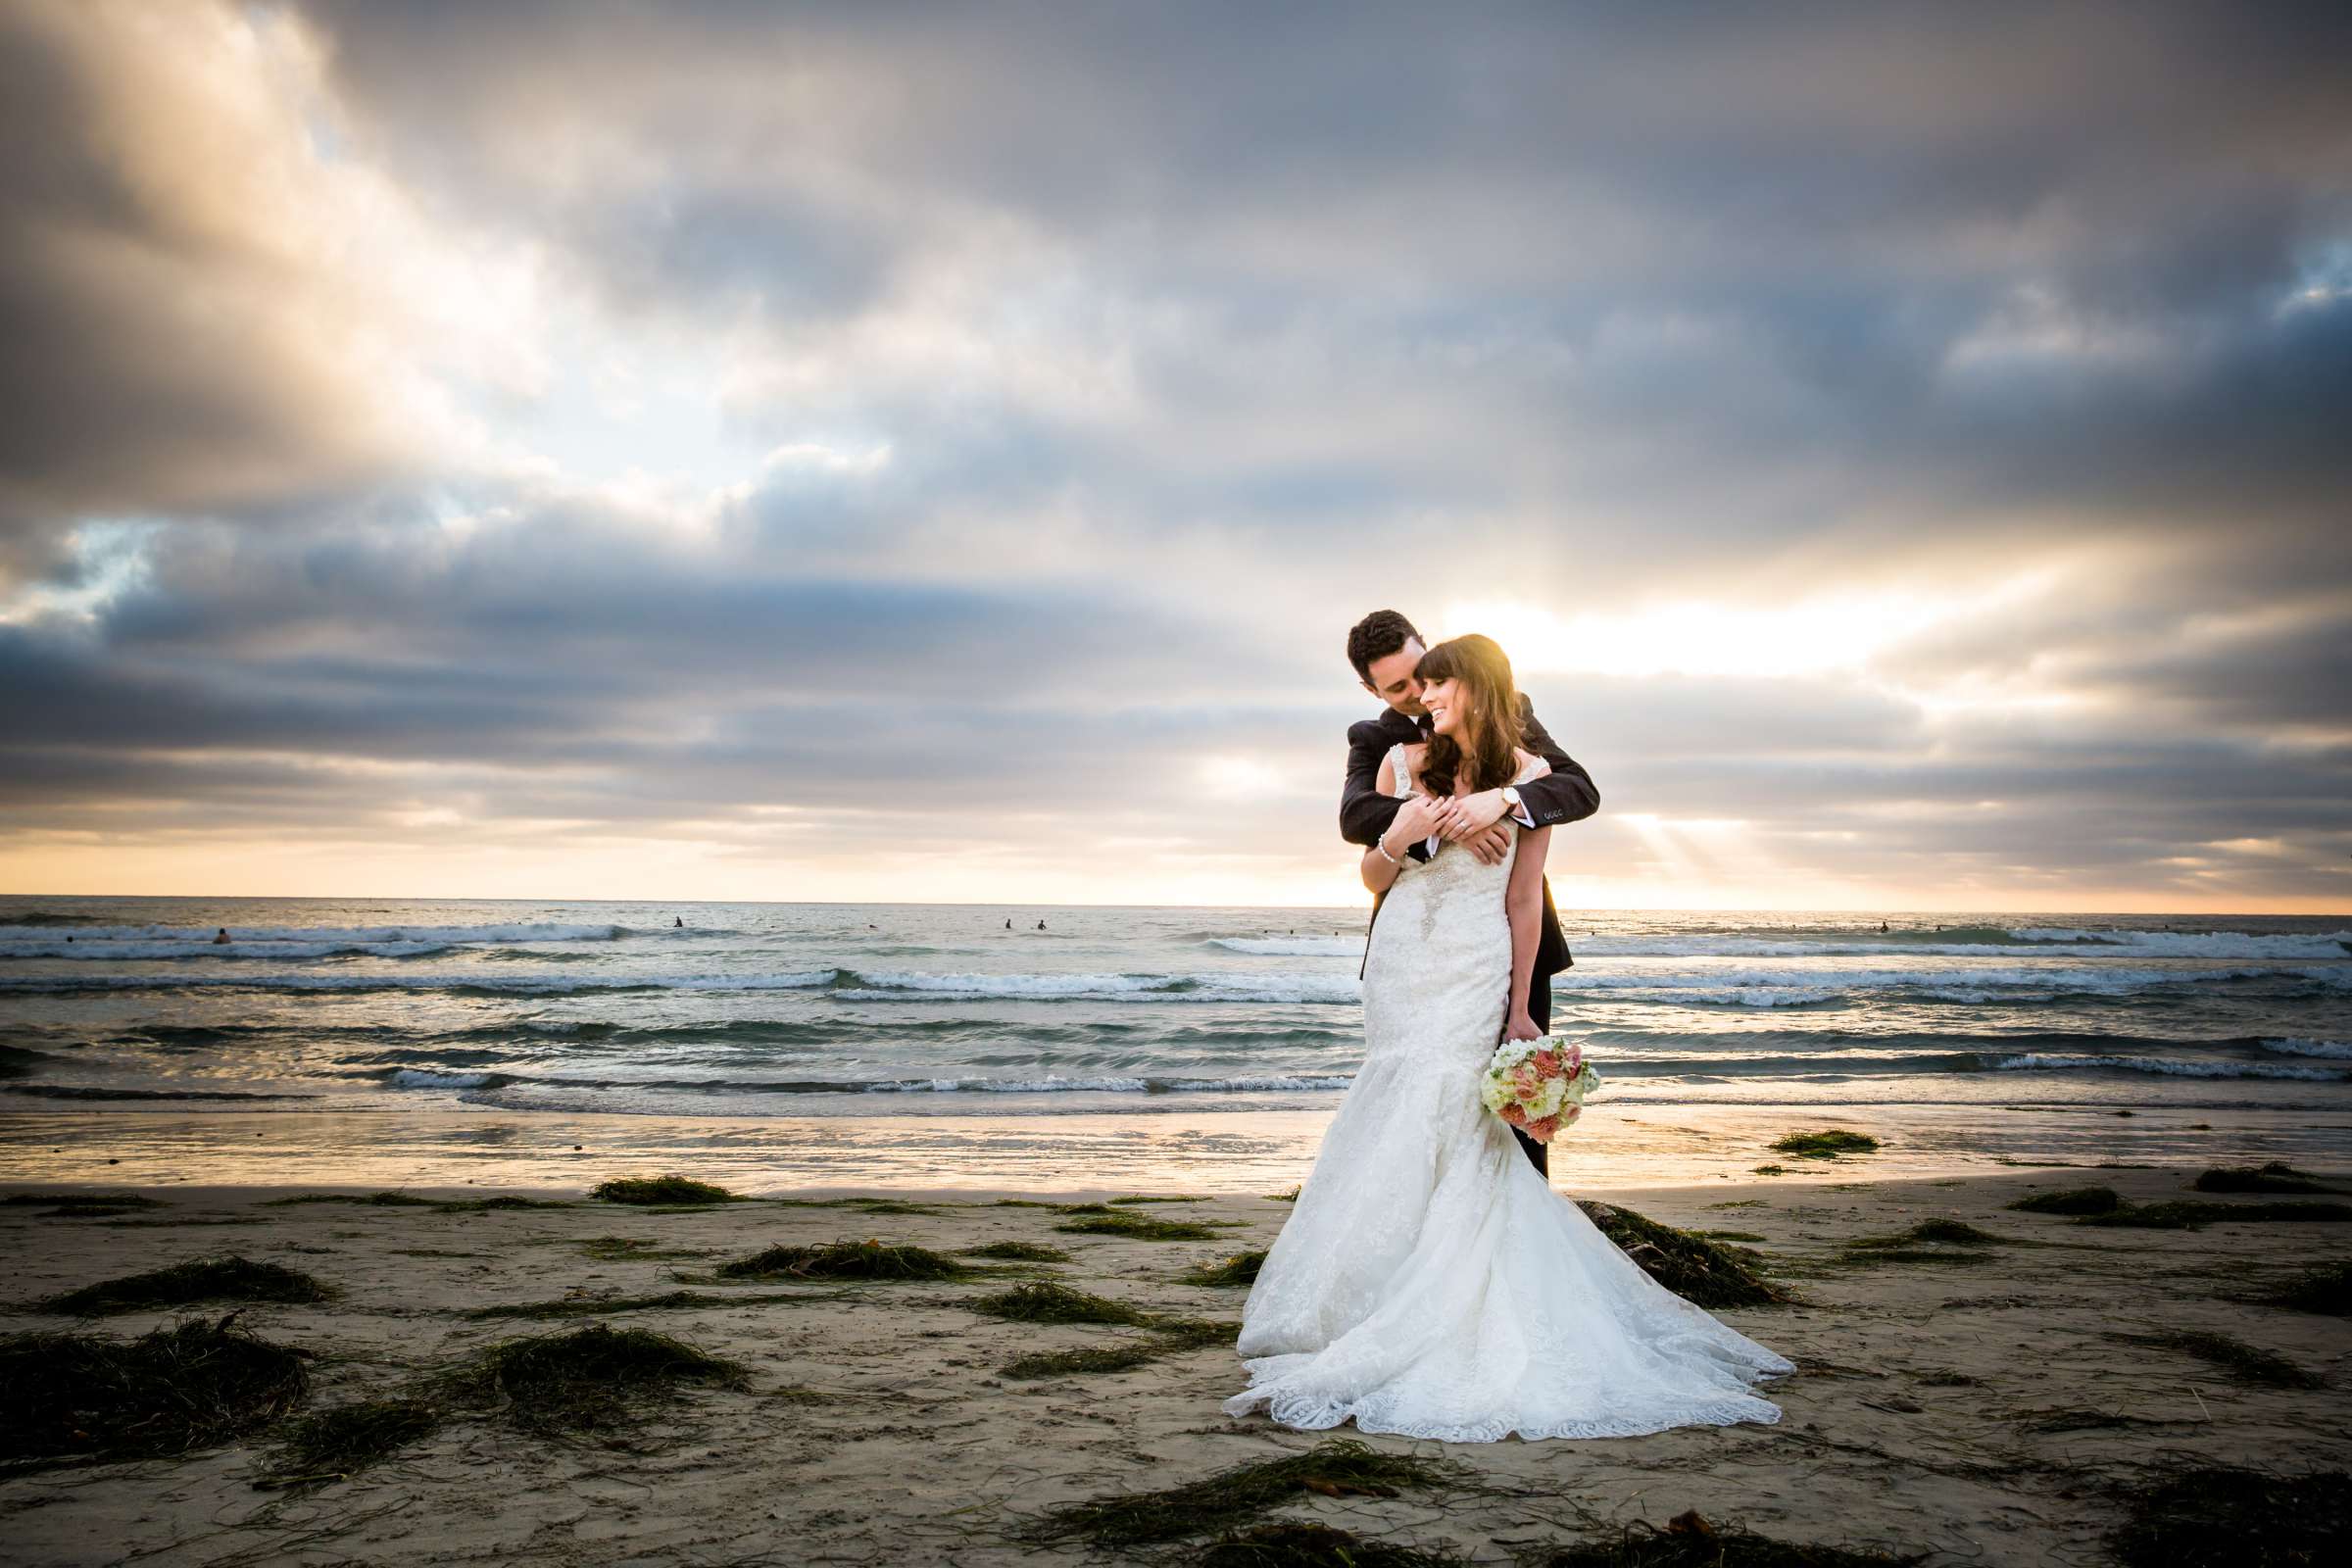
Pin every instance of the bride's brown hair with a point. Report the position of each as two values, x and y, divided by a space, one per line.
1486 738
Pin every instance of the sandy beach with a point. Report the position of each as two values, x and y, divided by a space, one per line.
1977 1403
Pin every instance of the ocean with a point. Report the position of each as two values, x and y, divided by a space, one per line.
375 1040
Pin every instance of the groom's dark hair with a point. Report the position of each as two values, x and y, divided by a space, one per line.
1377 636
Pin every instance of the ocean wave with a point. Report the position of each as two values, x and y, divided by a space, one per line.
206 950
366 936
1292 946
2036 1062
45 1091
457 984
426 1078
1979 942
2340 1050
1049 1084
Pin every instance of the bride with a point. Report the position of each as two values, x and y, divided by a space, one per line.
1430 1282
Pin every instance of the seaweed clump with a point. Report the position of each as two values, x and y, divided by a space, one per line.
2073 1201
1172 1337
1045 1301
2276 1177
1311 1546
204 1279
80 1205
2326 1289
2224 1517
1019 1252
1233 1497
589 1378
646 1191
846 1260
2191 1214
2250 1362
172 1391
1238 1269
1098 1219
1688 1540
1923 1242
1691 1266
337 1444
1827 1143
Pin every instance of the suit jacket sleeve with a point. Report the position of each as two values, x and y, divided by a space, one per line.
1364 811
1564 795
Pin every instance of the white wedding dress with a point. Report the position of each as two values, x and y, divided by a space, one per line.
1430 1282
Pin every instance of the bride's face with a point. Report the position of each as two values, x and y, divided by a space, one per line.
1440 697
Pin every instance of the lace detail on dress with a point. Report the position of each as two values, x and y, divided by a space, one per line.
1429 1281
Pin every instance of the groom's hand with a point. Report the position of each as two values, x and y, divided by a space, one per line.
1471 813
1490 845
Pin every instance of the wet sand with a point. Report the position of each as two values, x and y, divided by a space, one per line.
1983 1410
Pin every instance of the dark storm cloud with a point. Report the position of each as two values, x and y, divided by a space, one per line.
1181 335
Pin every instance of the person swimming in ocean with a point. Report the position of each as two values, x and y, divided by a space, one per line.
222 940
680 922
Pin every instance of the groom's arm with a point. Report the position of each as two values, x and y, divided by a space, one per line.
1365 812
1567 793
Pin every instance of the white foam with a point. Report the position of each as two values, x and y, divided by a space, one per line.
420 1078
2040 1062
2340 1050
1292 946
368 934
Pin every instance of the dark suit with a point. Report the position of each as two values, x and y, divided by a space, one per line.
1565 795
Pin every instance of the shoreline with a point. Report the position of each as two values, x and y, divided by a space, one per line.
1208 1151
1980 1403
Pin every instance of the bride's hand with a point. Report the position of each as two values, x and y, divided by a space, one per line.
1418 817
1522 1027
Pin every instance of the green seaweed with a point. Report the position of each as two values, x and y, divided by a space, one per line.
1827 1143
2276 1177
1018 1253
190 1386
1313 1546
2190 1213
1231 1499
2073 1201
2326 1289
1689 1540
1691 1266
601 1305
204 1279
2224 1517
2250 1362
846 1260
646 1191
587 1379
337 1444
1135 1227
1237 1270
1045 1301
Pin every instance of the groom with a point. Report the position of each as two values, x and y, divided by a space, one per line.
1385 648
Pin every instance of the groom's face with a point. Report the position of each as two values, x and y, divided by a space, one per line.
1392 680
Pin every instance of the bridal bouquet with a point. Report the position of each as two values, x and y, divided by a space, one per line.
1537 1086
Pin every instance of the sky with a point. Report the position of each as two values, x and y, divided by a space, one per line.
935 453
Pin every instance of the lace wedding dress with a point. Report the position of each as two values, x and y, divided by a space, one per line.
1430 1282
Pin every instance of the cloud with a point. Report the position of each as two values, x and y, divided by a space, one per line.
1906 441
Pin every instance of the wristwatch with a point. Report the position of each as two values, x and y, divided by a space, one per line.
1511 801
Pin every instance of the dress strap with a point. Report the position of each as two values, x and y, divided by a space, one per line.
1401 775
1529 771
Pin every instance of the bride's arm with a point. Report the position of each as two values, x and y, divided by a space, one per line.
1386 858
1523 899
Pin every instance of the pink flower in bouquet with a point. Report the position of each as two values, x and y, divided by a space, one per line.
1541 1129
1524 1080
1514 1115
1569 1113
1548 1062
1573 1063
